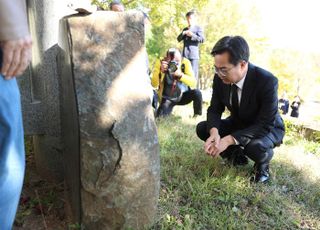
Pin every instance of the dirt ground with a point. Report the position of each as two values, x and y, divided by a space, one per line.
41 203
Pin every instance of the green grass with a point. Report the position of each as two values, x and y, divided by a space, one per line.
199 192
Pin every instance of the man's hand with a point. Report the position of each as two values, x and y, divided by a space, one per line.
188 33
211 145
16 56
214 145
224 143
178 74
164 65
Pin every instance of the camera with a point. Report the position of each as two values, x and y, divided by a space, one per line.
172 67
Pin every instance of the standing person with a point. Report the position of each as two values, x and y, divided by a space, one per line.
295 105
116 6
284 104
168 74
254 127
15 55
191 37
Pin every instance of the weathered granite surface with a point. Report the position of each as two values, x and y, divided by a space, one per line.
105 71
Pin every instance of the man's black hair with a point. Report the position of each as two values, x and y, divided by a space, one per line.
115 2
236 46
173 50
192 12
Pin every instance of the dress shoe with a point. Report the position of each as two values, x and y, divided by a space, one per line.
261 172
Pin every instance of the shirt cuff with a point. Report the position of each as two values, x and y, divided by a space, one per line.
235 140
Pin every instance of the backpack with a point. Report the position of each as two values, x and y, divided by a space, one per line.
173 89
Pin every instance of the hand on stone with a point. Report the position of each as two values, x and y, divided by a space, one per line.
16 56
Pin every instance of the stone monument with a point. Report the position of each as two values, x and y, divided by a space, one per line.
108 124
87 104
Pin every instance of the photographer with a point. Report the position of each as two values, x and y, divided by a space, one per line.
174 79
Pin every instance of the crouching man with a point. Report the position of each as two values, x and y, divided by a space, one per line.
254 126
174 80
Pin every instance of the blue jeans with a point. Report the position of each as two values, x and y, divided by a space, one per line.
12 157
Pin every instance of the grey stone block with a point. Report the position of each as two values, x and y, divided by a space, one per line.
111 143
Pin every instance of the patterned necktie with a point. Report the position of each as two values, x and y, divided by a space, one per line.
234 99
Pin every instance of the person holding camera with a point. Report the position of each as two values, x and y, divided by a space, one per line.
192 36
250 93
174 79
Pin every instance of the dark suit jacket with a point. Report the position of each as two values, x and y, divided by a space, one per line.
258 112
190 44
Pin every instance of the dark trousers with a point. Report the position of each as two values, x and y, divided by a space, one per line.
195 68
194 95
260 150
155 100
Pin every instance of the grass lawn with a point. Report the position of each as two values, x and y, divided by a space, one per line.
199 192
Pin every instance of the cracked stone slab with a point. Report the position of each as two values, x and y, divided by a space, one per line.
118 143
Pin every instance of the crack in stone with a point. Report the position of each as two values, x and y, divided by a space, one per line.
117 165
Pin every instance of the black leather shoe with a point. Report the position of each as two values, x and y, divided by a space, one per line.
261 172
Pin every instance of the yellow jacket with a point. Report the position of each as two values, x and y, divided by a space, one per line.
187 77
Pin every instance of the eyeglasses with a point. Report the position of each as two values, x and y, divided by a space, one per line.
222 72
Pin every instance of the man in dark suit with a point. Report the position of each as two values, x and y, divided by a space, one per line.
191 37
254 126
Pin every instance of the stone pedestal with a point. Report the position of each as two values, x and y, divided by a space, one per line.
40 86
111 146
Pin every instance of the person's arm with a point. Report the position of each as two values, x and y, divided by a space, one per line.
15 40
188 75
155 81
266 116
13 20
212 145
182 35
216 107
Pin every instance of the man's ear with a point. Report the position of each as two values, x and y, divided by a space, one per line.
243 64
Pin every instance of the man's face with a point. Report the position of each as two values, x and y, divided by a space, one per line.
191 20
176 57
226 71
117 8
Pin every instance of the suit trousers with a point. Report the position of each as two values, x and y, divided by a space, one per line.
260 149
12 156
195 68
166 106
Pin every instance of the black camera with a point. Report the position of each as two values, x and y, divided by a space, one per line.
172 67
